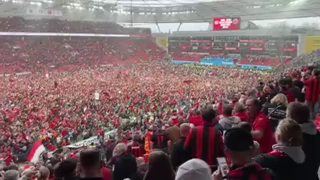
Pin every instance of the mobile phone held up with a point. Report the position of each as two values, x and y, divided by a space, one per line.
223 165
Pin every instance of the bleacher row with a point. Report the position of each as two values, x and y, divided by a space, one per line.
34 53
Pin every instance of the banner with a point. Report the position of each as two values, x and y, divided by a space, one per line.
256 48
163 41
88 141
312 43
44 12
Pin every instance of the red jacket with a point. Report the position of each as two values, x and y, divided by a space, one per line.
196 120
242 115
312 89
106 173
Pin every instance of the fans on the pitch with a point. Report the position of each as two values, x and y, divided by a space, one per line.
287 158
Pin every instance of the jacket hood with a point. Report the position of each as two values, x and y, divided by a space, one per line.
294 152
231 120
309 128
194 169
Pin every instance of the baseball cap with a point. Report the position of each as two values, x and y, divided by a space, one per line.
238 139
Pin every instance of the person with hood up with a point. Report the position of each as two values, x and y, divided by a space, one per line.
228 121
311 138
194 169
287 158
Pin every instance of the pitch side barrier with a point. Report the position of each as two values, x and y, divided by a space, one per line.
63 34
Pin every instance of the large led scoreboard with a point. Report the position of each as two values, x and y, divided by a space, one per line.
244 45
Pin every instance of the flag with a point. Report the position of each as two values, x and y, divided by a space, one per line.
32 153
36 150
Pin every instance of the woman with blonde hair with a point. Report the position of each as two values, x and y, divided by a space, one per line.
276 109
287 158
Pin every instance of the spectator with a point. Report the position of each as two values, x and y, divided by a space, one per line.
90 164
178 154
194 169
135 147
296 91
240 111
246 126
195 118
43 173
205 142
13 167
267 95
11 175
276 110
142 168
284 85
125 165
286 153
173 134
106 173
312 91
240 150
298 83
160 140
160 167
261 127
311 138
228 121
66 170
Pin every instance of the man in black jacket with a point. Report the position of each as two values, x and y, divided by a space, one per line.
240 150
125 165
178 153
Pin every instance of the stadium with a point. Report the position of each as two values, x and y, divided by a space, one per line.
81 77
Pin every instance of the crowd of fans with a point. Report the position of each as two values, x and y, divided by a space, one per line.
172 122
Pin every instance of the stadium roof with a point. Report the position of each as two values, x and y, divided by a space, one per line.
160 11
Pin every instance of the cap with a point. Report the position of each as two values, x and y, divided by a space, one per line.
194 169
238 139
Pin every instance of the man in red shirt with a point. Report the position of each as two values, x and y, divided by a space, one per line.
261 127
312 91
195 118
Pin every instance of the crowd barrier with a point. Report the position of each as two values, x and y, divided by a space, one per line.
222 62
249 66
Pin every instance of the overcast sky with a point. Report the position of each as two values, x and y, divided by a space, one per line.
166 27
